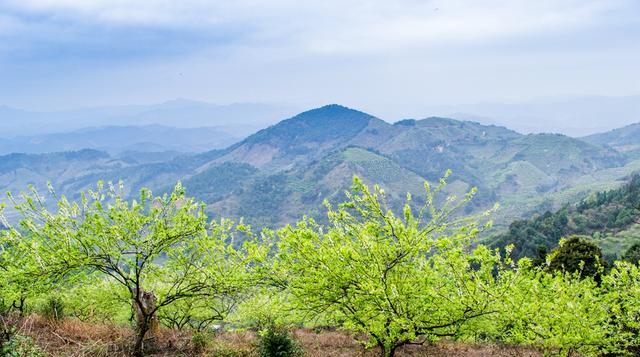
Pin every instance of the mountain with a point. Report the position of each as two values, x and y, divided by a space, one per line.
118 139
300 161
574 116
625 140
303 137
239 119
286 170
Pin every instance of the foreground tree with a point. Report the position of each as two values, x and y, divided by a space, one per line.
559 312
162 250
399 280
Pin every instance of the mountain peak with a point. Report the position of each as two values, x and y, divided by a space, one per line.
333 110
327 123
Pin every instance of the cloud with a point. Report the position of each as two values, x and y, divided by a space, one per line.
385 54
335 26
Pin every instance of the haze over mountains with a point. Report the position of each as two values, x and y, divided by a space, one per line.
238 119
575 116
279 173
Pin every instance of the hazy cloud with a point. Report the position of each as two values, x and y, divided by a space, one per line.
395 57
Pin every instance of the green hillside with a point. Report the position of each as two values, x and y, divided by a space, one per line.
625 140
611 217
273 176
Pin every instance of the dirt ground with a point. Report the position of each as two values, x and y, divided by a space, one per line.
78 339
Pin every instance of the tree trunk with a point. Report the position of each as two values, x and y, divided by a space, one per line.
147 324
387 351
138 348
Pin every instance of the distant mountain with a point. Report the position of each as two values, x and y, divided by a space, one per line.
300 161
239 120
118 139
577 116
279 173
302 138
625 140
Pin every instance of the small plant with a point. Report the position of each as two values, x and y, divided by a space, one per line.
13 344
277 342
199 341
53 309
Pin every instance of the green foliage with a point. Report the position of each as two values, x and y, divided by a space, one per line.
220 180
394 279
577 255
54 308
632 254
560 313
200 341
413 276
602 212
277 342
160 250
13 344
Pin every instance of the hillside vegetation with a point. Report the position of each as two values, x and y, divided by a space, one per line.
606 216
275 175
155 276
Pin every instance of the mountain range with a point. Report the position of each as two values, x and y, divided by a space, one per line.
237 120
120 139
286 170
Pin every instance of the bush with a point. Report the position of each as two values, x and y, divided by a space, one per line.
199 341
578 255
53 309
632 255
16 345
277 342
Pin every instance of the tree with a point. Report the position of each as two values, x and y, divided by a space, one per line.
577 254
561 313
161 250
632 255
622 298
399 280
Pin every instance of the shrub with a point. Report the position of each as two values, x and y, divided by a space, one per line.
578 255
277 342
199 341
632 255
53 309
16 345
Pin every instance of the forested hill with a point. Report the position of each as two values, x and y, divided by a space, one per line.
607 216
282 172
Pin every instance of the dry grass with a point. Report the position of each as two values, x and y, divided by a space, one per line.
74 338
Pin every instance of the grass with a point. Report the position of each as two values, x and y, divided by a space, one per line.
74 338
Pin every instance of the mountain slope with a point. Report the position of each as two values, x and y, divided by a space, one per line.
301 138
599 214
625 140
278 174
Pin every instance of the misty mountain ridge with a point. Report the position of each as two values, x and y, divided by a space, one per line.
283 171
118 139
573 116
239 119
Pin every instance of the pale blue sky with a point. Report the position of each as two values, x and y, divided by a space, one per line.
393 58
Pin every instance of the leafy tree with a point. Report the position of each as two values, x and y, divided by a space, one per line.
632 254
398 279
161 250
561 313
622 299
576 254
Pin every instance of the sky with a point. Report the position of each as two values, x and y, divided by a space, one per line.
394 58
